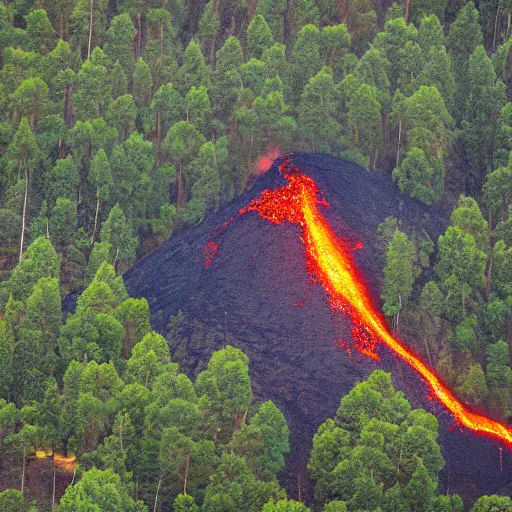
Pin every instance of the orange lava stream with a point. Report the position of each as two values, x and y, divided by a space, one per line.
334 267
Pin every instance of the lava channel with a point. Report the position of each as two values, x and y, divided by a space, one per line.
331 263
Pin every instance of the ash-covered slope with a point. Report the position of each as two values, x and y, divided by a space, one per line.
248 297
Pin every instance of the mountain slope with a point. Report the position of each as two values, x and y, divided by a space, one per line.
249 297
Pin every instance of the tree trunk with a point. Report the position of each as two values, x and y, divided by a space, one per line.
495 25
187 465
407 9
251 142
53 490
399 141
139 35
157 491
161 41
488 273
23 472
158 135
212 52
179 200
121 432
397 324
23 219
90 30
96 215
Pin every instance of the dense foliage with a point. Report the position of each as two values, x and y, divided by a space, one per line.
123 121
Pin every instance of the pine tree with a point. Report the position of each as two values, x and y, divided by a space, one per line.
118 233
142 84
118 82
259 37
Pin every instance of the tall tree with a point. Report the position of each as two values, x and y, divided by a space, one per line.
464 36
399 276
100 178
365 123
181 144
22 154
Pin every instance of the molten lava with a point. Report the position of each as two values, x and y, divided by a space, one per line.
331 263
209 252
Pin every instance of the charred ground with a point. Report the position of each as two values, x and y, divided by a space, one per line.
248 297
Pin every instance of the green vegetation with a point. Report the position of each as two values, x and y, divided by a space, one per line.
144 117
123 121
463 313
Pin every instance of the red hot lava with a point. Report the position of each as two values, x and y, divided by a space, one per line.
209 252
330 261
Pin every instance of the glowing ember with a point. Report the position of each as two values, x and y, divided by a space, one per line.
209 252
331 263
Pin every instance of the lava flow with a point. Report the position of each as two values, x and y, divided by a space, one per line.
331 263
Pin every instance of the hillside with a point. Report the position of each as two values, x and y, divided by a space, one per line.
248 297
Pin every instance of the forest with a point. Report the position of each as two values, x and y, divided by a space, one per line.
124 121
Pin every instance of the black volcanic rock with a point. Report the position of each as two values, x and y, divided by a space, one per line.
247 298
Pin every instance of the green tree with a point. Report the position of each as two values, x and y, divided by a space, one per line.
226 78
285 506
494 502
181 144
420 176
41 36
460 269
233 487
185 503
101 252
259 36
497 192
166 109
62 224
118 42
92 92
87 26
474 390
40 260
364 118
102 490
275 438
317 109
118 81
225 389
377 452
30 99
121 114
198 109
100 178
62 180
336 42
194 72
142 84
399 276
480 122
274 13
134 316
208 29
22 155
118 233
305 58
464 36
12 500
